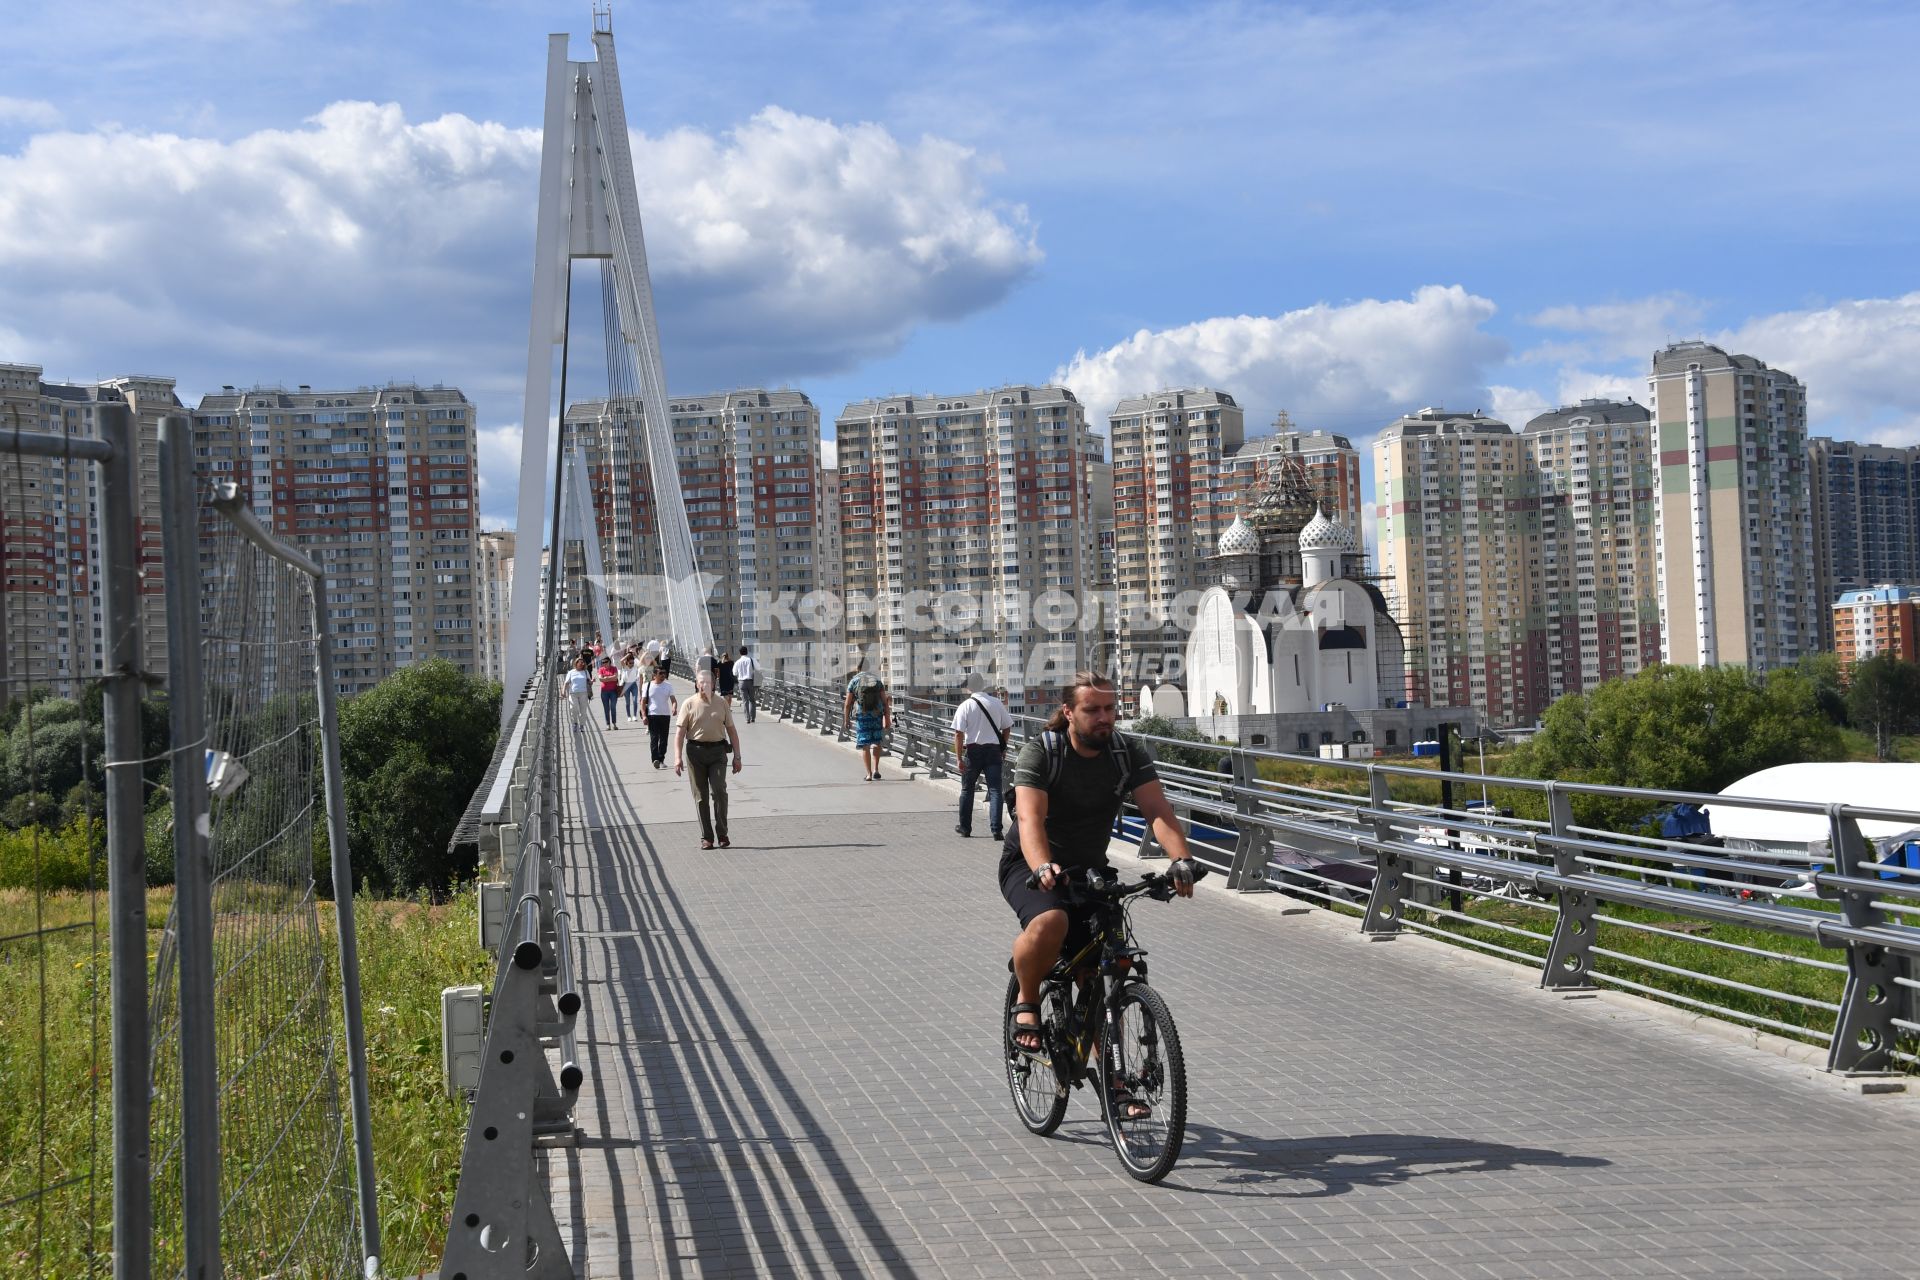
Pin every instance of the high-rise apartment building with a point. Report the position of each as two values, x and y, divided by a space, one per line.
50 508
1167 447
1329 462
377 485
959 515
749 471
492 589
1457 506
1594 584
1874 621
1866 519
1736 526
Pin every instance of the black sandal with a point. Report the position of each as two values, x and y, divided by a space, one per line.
1122 1099
1023 1028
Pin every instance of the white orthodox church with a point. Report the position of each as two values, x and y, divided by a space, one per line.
1271 642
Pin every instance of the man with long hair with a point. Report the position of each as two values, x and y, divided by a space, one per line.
1066 797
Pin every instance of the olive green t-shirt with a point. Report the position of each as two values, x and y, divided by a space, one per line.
1082 805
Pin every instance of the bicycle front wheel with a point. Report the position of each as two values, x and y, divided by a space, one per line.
1038 1094
1144 1084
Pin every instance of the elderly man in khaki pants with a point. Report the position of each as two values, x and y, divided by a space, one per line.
707 732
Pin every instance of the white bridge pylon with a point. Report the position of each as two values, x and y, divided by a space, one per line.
590 208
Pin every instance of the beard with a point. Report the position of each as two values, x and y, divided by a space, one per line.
1097 737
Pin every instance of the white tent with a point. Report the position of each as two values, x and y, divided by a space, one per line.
1883 786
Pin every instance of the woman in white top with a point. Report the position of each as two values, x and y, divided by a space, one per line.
661 704
631 678
579 688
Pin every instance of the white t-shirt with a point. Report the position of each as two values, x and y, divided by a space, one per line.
579 681
631 675
744 668
660 698
981 718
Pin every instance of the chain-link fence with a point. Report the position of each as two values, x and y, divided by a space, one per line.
55 1108
252 1155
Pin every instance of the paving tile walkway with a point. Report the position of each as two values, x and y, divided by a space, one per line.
792 1070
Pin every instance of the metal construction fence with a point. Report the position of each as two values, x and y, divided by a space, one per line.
529 1073
186 1110
1824 948
63 950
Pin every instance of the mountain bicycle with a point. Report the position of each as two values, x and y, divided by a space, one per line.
1099 995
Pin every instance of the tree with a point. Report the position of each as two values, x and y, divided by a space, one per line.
45 748
1822 671
412 750
1192 757
1676 728
1883 698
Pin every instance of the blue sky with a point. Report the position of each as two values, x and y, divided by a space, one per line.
1347 211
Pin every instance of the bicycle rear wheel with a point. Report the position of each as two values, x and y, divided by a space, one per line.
1146 1065
1038 1094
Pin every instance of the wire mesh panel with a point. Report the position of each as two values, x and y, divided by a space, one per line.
55 1112
287 1204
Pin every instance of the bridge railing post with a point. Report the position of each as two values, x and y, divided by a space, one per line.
1569 963
1254 846
1388 898
1864 1031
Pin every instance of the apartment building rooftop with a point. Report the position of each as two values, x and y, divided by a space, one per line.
305 397
1679 357
1435 421
1597 413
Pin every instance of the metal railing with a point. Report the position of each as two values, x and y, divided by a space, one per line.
1350 838
503 1223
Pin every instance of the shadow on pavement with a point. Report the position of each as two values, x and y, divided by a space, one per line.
1311 1168
743 1173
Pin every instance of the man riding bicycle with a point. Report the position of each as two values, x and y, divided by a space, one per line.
1068 786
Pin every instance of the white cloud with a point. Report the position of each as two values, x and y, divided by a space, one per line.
30 112
1855 356
1606 331
1856 359
1350 367
1516 405
830 453
364 246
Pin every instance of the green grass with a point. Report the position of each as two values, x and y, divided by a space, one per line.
408 951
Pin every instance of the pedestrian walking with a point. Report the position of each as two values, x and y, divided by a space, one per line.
981 726
745 670
579 687
869 707
661 704
707 736
631 678
723 678
609 679
666 658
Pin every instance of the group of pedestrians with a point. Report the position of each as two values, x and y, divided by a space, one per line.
639 683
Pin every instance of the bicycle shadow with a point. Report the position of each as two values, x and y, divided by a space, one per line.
1316 1168
1272 1167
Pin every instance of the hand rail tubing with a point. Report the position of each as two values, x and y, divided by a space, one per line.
1554 859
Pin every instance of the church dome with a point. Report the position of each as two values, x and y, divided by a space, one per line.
1238 540
1322 534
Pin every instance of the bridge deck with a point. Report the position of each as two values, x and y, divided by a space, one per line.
792 1070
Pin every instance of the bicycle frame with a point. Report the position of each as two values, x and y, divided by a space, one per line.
1094 977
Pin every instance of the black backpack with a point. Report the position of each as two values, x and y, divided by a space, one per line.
1057 748
868 694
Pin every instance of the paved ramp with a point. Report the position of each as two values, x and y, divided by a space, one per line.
792 1070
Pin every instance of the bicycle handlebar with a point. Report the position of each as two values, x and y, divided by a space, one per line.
1084 879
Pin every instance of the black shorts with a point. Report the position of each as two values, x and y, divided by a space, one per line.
1028 904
